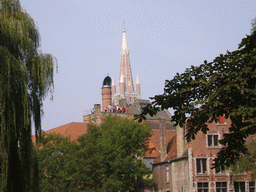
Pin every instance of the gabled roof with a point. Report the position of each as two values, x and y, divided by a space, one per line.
171 150
76 129
160 114
154 141
155 125
73 129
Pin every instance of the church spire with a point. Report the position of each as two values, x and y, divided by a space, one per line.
125 67
124 41
125 82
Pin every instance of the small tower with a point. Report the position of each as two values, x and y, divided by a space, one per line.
113 87
106 94
137 84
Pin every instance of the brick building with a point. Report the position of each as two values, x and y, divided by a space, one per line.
186 166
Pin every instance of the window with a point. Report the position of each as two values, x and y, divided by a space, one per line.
201 166
221 186
212 140
251 186
202 187
167 174
239 186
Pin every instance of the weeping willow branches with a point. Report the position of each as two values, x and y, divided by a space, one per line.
26 76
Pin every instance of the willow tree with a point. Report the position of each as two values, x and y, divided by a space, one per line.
26 76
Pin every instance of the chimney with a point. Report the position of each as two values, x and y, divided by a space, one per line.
180 131
221 119
162 128
97 109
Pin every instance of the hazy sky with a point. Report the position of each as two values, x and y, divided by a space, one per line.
163 36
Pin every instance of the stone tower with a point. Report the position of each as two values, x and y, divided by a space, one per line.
106 94
125 82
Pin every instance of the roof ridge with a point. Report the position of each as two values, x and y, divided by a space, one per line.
68 128
58 127
168 112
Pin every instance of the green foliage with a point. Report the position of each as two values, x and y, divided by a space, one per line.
253 25
107 157
56 160
148 181
247 161
121 144
225 86
26 76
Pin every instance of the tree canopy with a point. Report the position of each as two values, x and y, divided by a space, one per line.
247 161
57 157
223 87
253 25
107 157
26 76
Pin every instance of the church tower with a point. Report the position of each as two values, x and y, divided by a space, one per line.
126 92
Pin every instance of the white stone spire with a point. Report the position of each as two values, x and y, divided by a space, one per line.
113 81
125 82
137 79
124 41
122 79
138 84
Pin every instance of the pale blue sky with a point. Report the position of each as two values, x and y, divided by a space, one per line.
163 36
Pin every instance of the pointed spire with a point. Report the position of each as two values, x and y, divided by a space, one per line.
137 79
124 42
125 82
113 81
122 79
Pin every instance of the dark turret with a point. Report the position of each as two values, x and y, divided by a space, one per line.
106 94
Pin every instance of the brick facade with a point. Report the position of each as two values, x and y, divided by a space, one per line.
192 172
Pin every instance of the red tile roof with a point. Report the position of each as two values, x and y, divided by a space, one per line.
76 129
172 149
154 141
73 129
